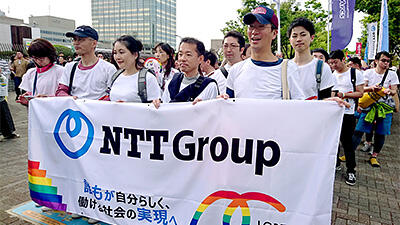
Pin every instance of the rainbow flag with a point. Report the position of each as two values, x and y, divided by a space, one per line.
41 190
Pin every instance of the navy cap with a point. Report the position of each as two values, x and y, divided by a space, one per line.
263 15
84 31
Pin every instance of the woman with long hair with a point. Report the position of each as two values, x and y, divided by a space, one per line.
125 86
165 54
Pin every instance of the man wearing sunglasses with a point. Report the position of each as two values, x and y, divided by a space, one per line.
381 111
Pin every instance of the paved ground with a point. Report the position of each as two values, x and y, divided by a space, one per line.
375 199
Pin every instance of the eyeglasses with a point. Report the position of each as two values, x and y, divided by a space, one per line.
258 28
385 60
231 46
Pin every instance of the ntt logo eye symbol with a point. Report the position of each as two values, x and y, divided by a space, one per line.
238 200
77 117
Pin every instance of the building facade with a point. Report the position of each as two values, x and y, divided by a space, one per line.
150 21
53 28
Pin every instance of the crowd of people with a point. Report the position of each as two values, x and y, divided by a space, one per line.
193 74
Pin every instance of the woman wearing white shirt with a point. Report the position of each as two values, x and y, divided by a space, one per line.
125 87
165 54
43 79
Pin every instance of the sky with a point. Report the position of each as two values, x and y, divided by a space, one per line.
200 19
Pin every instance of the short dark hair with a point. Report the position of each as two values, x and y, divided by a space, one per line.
301 22
246 46
200 49
133 45
237 35
385 53
337 54
322 51
209 55
355 60
42 48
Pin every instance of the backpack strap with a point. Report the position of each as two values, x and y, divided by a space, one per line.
71 77
142 90
318 74
353 78
284 80
113 78
224 71
193 90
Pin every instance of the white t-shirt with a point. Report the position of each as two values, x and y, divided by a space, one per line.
371 78
344 85
91 83
221 80
307 80
125 88
210 92
262 81
46 83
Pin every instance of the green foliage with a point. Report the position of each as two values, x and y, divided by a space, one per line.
65 50
373 9
290 10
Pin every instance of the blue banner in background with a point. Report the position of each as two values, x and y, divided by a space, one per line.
342 23
384 28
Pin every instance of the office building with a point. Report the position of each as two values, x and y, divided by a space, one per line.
150 21
53 28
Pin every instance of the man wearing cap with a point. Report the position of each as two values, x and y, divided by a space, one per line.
90 76
260 75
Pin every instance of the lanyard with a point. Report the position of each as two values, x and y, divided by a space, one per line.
34 84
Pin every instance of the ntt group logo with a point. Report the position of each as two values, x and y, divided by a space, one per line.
238 200
77 117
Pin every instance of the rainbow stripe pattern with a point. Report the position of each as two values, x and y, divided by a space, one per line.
238 200
41 190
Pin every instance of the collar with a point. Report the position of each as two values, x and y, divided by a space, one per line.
45 68
82 67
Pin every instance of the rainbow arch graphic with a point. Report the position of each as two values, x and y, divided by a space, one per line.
41 190
238 200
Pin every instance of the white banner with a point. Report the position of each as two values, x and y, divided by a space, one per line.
372 41
129 163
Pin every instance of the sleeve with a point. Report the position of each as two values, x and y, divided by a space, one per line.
27 81
359 78
153 89
221 80
109 73
66 74
328 80
210 92
366 77
395 78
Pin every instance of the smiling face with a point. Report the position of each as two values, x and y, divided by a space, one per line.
123 56
260 35
300 39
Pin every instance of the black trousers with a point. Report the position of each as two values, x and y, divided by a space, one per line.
348 126
6 120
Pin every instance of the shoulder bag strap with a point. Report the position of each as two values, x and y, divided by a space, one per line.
34 84
353 78
384 78
71 77
224 71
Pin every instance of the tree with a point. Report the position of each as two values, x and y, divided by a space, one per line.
65 50
290 10
373 9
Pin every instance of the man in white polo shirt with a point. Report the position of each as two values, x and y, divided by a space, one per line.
90 76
